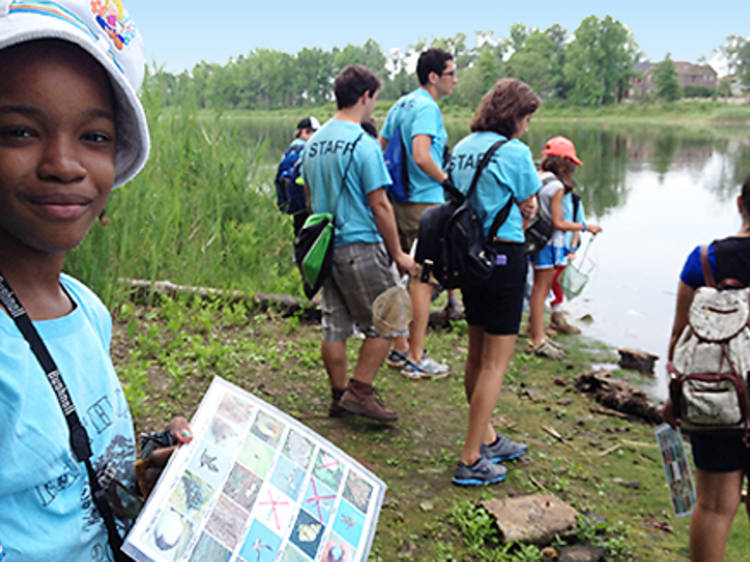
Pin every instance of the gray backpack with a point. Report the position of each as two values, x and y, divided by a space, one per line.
711 359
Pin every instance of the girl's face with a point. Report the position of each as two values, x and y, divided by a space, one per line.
522 125
57 145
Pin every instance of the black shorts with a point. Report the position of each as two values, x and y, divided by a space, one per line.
720 452
497 304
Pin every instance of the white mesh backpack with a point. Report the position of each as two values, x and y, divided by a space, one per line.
711 359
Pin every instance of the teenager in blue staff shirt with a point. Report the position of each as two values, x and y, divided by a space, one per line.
71 128
417 118
493 309
344 169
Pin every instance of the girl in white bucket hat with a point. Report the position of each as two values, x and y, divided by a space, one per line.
71 129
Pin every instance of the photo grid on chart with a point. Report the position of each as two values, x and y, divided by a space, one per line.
256 485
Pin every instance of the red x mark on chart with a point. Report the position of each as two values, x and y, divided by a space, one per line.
331 464
273 503
317 498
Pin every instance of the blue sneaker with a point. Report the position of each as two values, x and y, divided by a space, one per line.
503 449
396 359
425 368
480 473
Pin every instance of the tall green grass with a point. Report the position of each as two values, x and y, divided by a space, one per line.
202 212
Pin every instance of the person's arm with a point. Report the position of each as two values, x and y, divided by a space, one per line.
383 141
308 201
149 469
555 209
382 212
528 209
685 294
420 149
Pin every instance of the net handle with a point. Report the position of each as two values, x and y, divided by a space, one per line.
586 249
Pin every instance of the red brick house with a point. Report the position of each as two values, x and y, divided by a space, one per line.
689 75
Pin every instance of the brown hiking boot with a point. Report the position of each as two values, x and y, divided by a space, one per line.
335 410
559 323
359 399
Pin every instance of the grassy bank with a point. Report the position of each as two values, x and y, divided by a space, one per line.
202 212
605 466
685 112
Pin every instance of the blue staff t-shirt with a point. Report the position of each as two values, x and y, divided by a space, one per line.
324 162
510 172
46 510
417 113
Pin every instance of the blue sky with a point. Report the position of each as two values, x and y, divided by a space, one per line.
178 34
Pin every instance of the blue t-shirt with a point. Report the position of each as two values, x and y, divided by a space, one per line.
417 113
692 271
567 207
510 172
324 160
46 511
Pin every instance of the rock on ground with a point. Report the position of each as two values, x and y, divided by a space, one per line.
534 519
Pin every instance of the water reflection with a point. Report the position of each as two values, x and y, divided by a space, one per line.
657 191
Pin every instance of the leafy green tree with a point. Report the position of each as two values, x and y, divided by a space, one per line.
724 88
559 37
518 34
314 75
666 79
535 62
370 55
599 61
737 51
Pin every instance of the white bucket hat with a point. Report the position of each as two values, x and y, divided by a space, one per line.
104 30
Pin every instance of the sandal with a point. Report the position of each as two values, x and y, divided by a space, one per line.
554 344
546 349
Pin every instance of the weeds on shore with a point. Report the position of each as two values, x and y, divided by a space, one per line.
200 213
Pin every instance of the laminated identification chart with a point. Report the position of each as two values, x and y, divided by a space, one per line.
255 485
677 469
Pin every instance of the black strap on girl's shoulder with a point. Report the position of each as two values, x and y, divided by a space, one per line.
79 439
503 213
483 164
576 204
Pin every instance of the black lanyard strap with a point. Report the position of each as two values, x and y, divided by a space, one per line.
79 439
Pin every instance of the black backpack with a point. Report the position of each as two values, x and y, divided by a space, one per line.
451 240
290 197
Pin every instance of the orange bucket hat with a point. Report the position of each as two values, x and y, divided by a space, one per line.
561 146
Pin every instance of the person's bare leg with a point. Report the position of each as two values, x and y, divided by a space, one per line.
401 344
420 301
471 373
718 497
371 357
540 290
473 360
496 354
334 360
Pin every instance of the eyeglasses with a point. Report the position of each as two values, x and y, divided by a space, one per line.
449 73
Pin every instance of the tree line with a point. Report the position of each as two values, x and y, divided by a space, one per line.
591 67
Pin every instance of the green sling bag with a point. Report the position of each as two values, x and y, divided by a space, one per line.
313 247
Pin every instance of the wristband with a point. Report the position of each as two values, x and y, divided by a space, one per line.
584 226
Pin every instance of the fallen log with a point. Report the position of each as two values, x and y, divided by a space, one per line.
286 305
617 394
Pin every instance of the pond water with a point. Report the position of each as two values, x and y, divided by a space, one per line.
657 192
